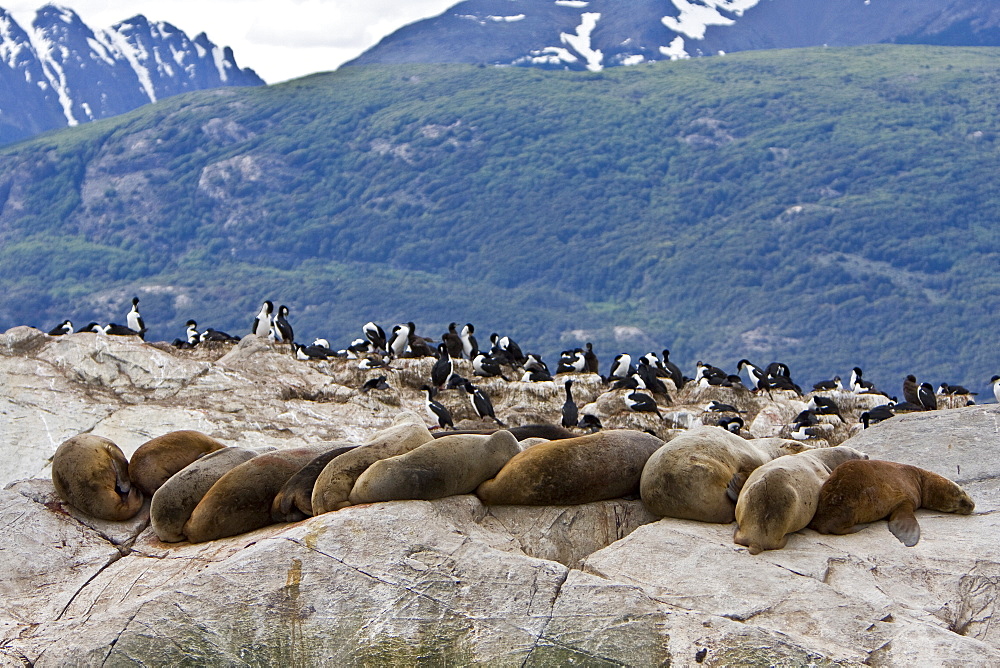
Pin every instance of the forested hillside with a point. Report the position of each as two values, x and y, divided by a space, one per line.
826 207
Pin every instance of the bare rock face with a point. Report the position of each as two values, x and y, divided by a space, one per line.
451 581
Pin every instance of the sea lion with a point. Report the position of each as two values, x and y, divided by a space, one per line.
549 432
571 471
443 467
174 501
294 501
91 474
780 496
690 476
157 459
332 490
240 500
858 492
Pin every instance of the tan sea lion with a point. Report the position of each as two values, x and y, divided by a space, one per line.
294 501
780 496
157 459
443 467
240 500
333 487
571 471
91 473
175 500
690 477
549 432
858 492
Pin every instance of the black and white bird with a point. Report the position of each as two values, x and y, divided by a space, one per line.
376 336
262 323
134 320
373 362
650 379
418 345
192 333
281 330
653 360
570 413
91 328
310 353
470 347
534 362
824 406
535 376
399 340
996 387
215 335
642 403
481 403
572 361
710 376
946 389
877 414
754 374
719 407
621 367
859 384
673 370
114 329
926 398
443 368
65 327
485 366
436 410
731 424
376 383
832 384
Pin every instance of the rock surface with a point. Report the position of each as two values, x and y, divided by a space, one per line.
451 582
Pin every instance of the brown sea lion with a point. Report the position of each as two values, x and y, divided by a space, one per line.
858 492
697 475
91 474
571 471
157 459
333 487
550 432
780 496
175 500
294 501
240 500
443 467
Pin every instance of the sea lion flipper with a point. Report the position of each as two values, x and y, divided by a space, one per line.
736 484
123 484
903 525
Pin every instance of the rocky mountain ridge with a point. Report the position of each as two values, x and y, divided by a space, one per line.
594 34
59 72
450 581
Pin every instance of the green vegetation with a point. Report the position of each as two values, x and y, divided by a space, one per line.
828 207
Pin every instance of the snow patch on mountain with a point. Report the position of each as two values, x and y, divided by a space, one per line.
696 16
580 42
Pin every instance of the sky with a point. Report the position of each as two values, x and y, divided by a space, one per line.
279 40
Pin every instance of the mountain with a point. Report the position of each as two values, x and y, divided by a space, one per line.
62 73
579 34
828 207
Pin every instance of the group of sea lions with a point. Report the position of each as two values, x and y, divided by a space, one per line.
202 490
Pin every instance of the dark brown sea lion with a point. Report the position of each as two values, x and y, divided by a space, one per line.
294 501
175 500
571 471
91 474
240 500
157 459
858 492
547 431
